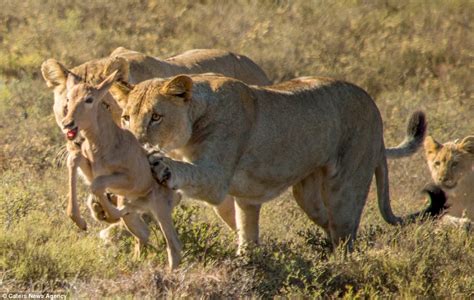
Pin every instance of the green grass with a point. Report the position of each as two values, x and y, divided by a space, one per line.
408 55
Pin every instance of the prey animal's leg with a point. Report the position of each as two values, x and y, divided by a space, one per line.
73 211
115 181
139 230
161 205
98 211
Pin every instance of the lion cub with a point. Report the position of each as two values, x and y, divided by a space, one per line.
117 164
452 169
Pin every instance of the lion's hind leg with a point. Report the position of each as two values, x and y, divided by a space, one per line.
308 195
345 195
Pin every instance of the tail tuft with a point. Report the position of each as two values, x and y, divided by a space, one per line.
437 199
416 131
417 126
436 208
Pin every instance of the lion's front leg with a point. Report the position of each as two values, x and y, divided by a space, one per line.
247 219
208 183
162 168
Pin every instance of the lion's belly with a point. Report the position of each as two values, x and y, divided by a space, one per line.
263 180
255 190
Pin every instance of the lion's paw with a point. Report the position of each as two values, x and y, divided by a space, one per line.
162 171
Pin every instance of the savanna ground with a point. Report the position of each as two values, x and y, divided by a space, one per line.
408 55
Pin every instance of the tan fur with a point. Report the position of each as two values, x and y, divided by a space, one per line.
322 136
452 167
134 67
114 161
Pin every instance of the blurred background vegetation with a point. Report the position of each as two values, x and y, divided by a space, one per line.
408 55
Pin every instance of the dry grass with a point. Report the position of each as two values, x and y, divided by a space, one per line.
408 55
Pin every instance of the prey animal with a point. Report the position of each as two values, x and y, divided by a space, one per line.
112 160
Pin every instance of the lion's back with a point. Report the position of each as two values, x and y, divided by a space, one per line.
220 61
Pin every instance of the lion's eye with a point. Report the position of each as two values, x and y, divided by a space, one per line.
437 164
454 164
156 117
89 100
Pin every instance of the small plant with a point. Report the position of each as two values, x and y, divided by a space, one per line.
202 242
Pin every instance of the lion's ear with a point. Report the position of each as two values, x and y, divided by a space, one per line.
118 64
467 144
120 91
54 73
179 86
431 145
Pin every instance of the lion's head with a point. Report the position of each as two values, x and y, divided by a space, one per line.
450 161
157 111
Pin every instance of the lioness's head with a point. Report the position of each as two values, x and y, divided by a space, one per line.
93 72
157 111
450 161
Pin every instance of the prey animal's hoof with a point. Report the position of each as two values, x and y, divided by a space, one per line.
81 224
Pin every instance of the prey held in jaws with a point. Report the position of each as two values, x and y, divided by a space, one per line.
134 67
115 162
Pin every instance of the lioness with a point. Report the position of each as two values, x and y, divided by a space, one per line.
322 136
452 168
135 67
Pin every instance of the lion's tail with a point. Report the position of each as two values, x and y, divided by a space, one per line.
383 194
436 207
416 130
437 201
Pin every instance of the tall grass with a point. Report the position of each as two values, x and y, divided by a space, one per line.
407 54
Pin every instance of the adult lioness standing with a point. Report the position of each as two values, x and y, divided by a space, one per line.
322 136
134 67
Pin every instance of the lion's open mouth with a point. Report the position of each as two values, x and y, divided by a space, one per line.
71 133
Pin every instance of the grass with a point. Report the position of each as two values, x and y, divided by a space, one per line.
407 54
